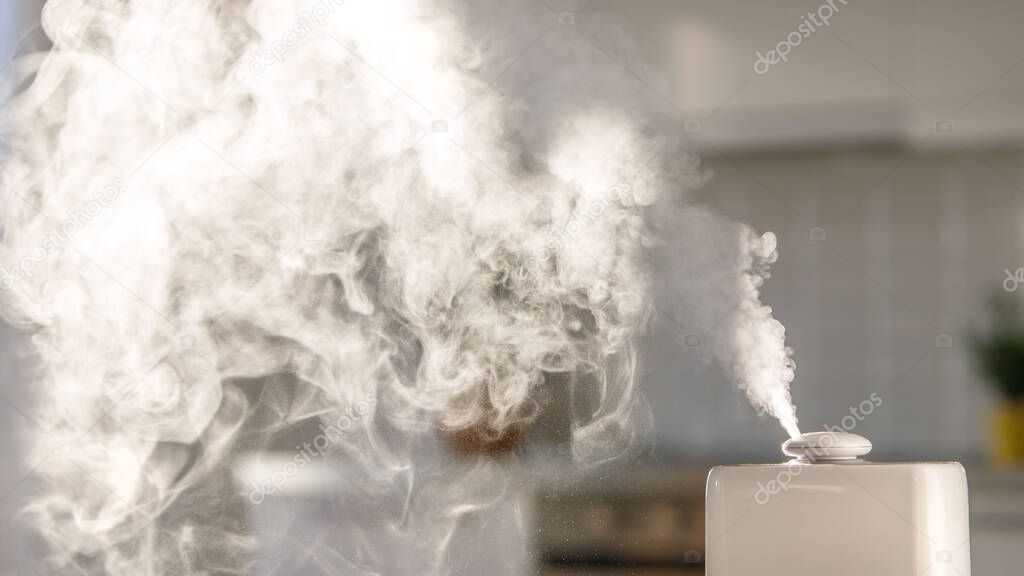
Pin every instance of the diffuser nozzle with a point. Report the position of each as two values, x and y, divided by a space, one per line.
827 446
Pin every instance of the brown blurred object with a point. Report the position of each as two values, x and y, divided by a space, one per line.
482 439
545 422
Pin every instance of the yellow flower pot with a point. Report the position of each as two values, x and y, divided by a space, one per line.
1008 433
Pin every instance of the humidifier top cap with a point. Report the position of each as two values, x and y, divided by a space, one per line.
827 446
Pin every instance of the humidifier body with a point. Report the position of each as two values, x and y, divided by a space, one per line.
837 517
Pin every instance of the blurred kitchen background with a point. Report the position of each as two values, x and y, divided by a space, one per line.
887 154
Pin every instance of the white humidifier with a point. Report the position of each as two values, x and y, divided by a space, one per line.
829 512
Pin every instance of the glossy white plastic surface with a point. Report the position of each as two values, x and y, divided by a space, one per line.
837 518
822 446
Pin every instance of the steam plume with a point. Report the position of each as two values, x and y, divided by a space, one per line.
717 268
230 221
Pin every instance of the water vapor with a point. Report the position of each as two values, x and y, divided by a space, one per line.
232 226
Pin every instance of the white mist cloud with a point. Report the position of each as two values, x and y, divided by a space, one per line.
360 215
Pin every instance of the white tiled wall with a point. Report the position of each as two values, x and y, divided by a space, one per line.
915 247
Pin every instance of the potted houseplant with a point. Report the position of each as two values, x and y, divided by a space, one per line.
999 354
